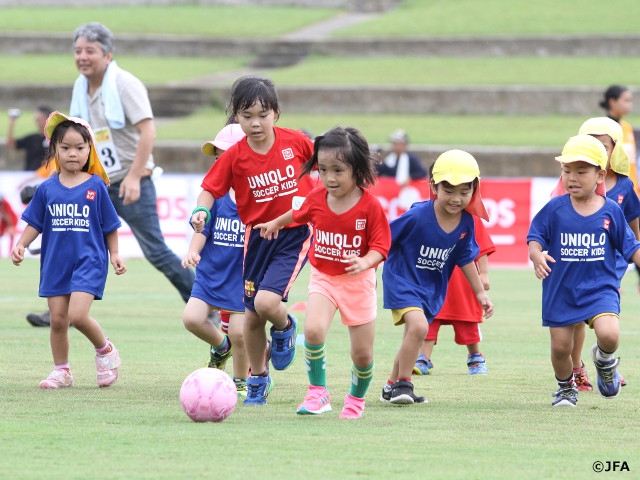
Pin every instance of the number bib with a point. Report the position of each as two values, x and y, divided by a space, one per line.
107 150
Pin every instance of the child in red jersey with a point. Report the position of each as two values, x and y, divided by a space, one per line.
263 169
351 237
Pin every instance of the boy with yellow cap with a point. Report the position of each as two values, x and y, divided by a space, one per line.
580 233
620 189
427 242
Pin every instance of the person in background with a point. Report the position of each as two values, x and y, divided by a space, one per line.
399 163
35 144
116 105
8 220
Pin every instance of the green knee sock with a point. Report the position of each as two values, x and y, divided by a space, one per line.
315 359
360 380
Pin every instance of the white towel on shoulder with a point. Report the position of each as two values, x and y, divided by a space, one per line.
113 110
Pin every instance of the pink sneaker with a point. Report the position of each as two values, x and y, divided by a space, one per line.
107 366
58 379
316 401
353 407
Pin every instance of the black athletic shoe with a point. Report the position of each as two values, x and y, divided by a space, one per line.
402 394
36 320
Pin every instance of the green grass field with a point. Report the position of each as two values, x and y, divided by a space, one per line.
496 426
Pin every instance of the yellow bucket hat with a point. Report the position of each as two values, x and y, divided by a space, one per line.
95 166
584 148
619 160
457 167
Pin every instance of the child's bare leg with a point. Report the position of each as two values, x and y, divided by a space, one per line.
607 329
195 320
561 346
58 335
236 335
415 329
79 305
269 306
473 348
427 348
255 339
579 334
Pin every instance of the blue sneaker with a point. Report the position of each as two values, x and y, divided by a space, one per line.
477 364
283 344
423 366
258 388
608 376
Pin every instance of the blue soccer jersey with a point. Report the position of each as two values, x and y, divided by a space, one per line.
583 280
219 273
422 258
73 222
624 195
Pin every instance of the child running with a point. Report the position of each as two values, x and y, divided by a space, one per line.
216 253
351 237
620 189
263 170
427 242
462 311
79 227
580 233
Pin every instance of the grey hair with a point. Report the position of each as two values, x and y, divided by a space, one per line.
96 32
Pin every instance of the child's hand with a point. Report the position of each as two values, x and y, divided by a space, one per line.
268 230
118 264
540 265
198 221
17 255
486 304
191 259
358 264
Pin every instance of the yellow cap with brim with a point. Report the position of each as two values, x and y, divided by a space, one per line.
227 137
619 160
456 167
584 148
95 166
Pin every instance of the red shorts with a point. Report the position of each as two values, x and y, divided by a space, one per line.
466 333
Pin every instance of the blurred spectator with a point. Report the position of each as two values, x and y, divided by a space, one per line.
8 220
401 164
35 145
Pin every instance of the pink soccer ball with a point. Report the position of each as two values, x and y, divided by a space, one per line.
208 395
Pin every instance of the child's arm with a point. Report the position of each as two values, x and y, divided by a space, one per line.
192 258
483 270
539 260
28 235
270 229
112 244
360 264
634 225
202 212
473 278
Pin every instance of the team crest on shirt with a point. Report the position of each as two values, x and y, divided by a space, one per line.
462 235
90 195
249 289
620 199
287 153
361 224
606 223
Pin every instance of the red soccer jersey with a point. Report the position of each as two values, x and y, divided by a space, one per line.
364 227
461 303
264 184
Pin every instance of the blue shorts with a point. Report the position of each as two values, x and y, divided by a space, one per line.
273 265
231 301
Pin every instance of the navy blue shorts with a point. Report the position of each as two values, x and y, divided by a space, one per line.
273 265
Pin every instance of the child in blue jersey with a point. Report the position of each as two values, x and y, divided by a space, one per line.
580 233
217 254
427 242
620 189
79 228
